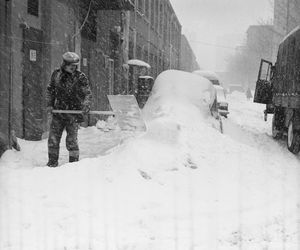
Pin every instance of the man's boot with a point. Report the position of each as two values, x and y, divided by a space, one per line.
53 161
73 156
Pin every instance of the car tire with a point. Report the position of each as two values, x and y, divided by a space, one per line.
293 138
277 124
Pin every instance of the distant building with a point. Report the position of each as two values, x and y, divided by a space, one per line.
260 41
154 37
225 49
188 60
259 45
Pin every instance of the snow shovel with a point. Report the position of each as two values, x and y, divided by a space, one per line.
125 109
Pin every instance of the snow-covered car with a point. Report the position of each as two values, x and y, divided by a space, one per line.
222 103
176 90
210 75
236 87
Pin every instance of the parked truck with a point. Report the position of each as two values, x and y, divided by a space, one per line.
278 86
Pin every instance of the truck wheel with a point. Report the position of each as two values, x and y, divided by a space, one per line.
277 124
293 138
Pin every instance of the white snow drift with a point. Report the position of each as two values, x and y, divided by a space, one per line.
181 185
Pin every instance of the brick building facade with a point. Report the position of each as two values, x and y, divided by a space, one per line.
105 33
154 36
188 60
5 74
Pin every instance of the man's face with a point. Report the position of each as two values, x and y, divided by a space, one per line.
70 68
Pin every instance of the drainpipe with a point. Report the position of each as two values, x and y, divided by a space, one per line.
125 21
171 45
134 46
134 30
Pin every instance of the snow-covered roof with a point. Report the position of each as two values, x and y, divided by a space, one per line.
292 32
137 62
207 74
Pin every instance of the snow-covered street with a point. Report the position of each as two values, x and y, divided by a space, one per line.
149 125
181 185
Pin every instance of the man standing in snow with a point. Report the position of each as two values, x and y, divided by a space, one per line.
248 93
68 90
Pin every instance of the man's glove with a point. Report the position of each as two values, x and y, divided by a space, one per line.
85 109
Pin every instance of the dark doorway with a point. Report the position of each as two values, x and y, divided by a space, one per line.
32 84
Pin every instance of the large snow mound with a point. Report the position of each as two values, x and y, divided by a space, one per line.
181 185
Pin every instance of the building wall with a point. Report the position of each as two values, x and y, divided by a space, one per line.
20 20
158 35
260 41
151 33
108 47
188 60
57 22
104 58
64 26
4 71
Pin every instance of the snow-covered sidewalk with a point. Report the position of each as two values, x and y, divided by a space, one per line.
93 142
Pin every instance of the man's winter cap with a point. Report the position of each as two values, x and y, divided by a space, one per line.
71 58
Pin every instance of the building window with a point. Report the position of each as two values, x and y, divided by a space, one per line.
130 52
147 8
145 56
141 6
161 13
33 7
139 52
157 16
165 32
152 14
89 30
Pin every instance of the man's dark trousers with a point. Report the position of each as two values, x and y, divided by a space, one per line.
58 124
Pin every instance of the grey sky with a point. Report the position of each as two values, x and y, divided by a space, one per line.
208 21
